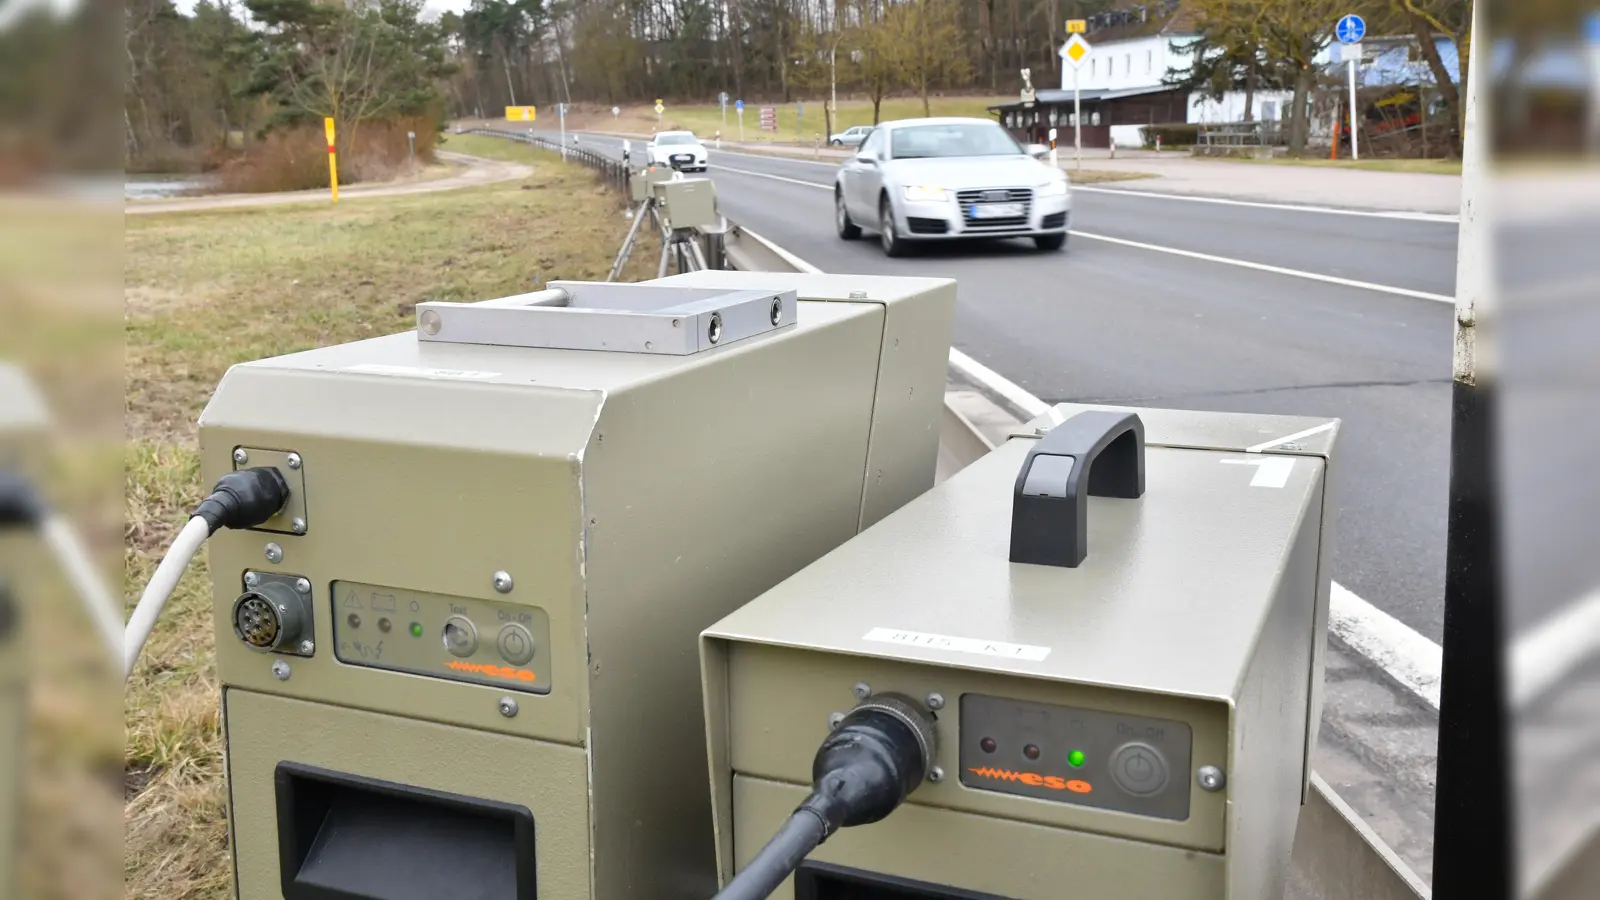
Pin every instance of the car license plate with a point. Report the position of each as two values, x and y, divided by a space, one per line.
995 211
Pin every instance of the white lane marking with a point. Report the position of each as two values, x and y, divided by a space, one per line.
1271 471
1542 657
1412 660
1317 429
1207 257
1002 649
825 187
1275 270
1405 215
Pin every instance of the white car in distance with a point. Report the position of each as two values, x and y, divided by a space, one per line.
679 149
926 180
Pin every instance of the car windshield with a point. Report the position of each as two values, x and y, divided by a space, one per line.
676 139
951 139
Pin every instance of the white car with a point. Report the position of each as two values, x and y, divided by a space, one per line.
947 179
679 149
850 137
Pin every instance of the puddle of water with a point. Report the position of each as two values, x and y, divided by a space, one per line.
154 187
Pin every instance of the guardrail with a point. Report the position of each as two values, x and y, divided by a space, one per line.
1336 854
612 171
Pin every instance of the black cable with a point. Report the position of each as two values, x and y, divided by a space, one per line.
244 498
866 768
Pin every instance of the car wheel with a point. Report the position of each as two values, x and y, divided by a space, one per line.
848 230
892 243
837 143
1050 241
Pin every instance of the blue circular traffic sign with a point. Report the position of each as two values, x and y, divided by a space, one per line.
1351 29
738 104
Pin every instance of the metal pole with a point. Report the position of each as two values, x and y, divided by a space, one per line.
697 255
1355 151
666 257
833 85
1077 121
561 113
1473 847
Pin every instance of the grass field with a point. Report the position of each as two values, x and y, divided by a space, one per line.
206 290
705 120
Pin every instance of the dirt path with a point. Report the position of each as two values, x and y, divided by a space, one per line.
477 171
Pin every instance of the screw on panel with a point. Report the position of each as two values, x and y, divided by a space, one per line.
862 690
503 582
280 670
936 701
835 720
303 585
935 774
274 553
714 332
251 579
777 311
307 647
298 526
1211 778
240 456
508 707
294 460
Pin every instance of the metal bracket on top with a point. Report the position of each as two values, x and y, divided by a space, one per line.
626 318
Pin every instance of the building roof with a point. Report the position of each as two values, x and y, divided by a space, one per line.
1135 19
1057 98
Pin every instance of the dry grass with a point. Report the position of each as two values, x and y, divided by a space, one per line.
1421 166
1101 176
297 159
209 289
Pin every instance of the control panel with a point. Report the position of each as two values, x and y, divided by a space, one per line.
1131 764
459 638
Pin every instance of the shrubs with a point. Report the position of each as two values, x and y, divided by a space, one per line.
296 159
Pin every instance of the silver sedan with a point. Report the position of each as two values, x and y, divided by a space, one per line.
943 179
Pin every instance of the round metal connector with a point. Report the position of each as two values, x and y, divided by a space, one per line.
269 618
914 716
777 311
714 332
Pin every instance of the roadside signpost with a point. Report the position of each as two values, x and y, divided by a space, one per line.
411 146
769 118
660 108
738 107
1350 30
1075 52
722 100
615 112
561 113
1077 26
1052 148
333 160
521 114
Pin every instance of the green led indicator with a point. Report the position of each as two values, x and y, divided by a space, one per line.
416 629
1075 759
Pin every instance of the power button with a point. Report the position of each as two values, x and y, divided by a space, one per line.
1139 769
515 644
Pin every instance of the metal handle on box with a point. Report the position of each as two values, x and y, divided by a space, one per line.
1099 453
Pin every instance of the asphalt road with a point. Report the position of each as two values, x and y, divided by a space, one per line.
1110 322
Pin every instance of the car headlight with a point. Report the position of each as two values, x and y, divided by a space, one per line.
919 192
1055 188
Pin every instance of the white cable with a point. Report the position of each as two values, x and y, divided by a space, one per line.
105 609
160 588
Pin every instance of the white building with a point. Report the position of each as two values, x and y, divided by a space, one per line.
1133 50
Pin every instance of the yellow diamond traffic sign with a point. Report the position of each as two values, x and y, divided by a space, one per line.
1076 50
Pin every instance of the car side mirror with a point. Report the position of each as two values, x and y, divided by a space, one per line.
1038 151
867 158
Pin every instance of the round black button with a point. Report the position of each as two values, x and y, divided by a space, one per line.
1031 751
987 745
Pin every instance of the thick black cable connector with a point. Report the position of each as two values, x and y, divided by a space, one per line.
880 753
244 499
865 769
20 503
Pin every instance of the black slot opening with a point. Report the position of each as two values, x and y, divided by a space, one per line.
823 881
344 837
